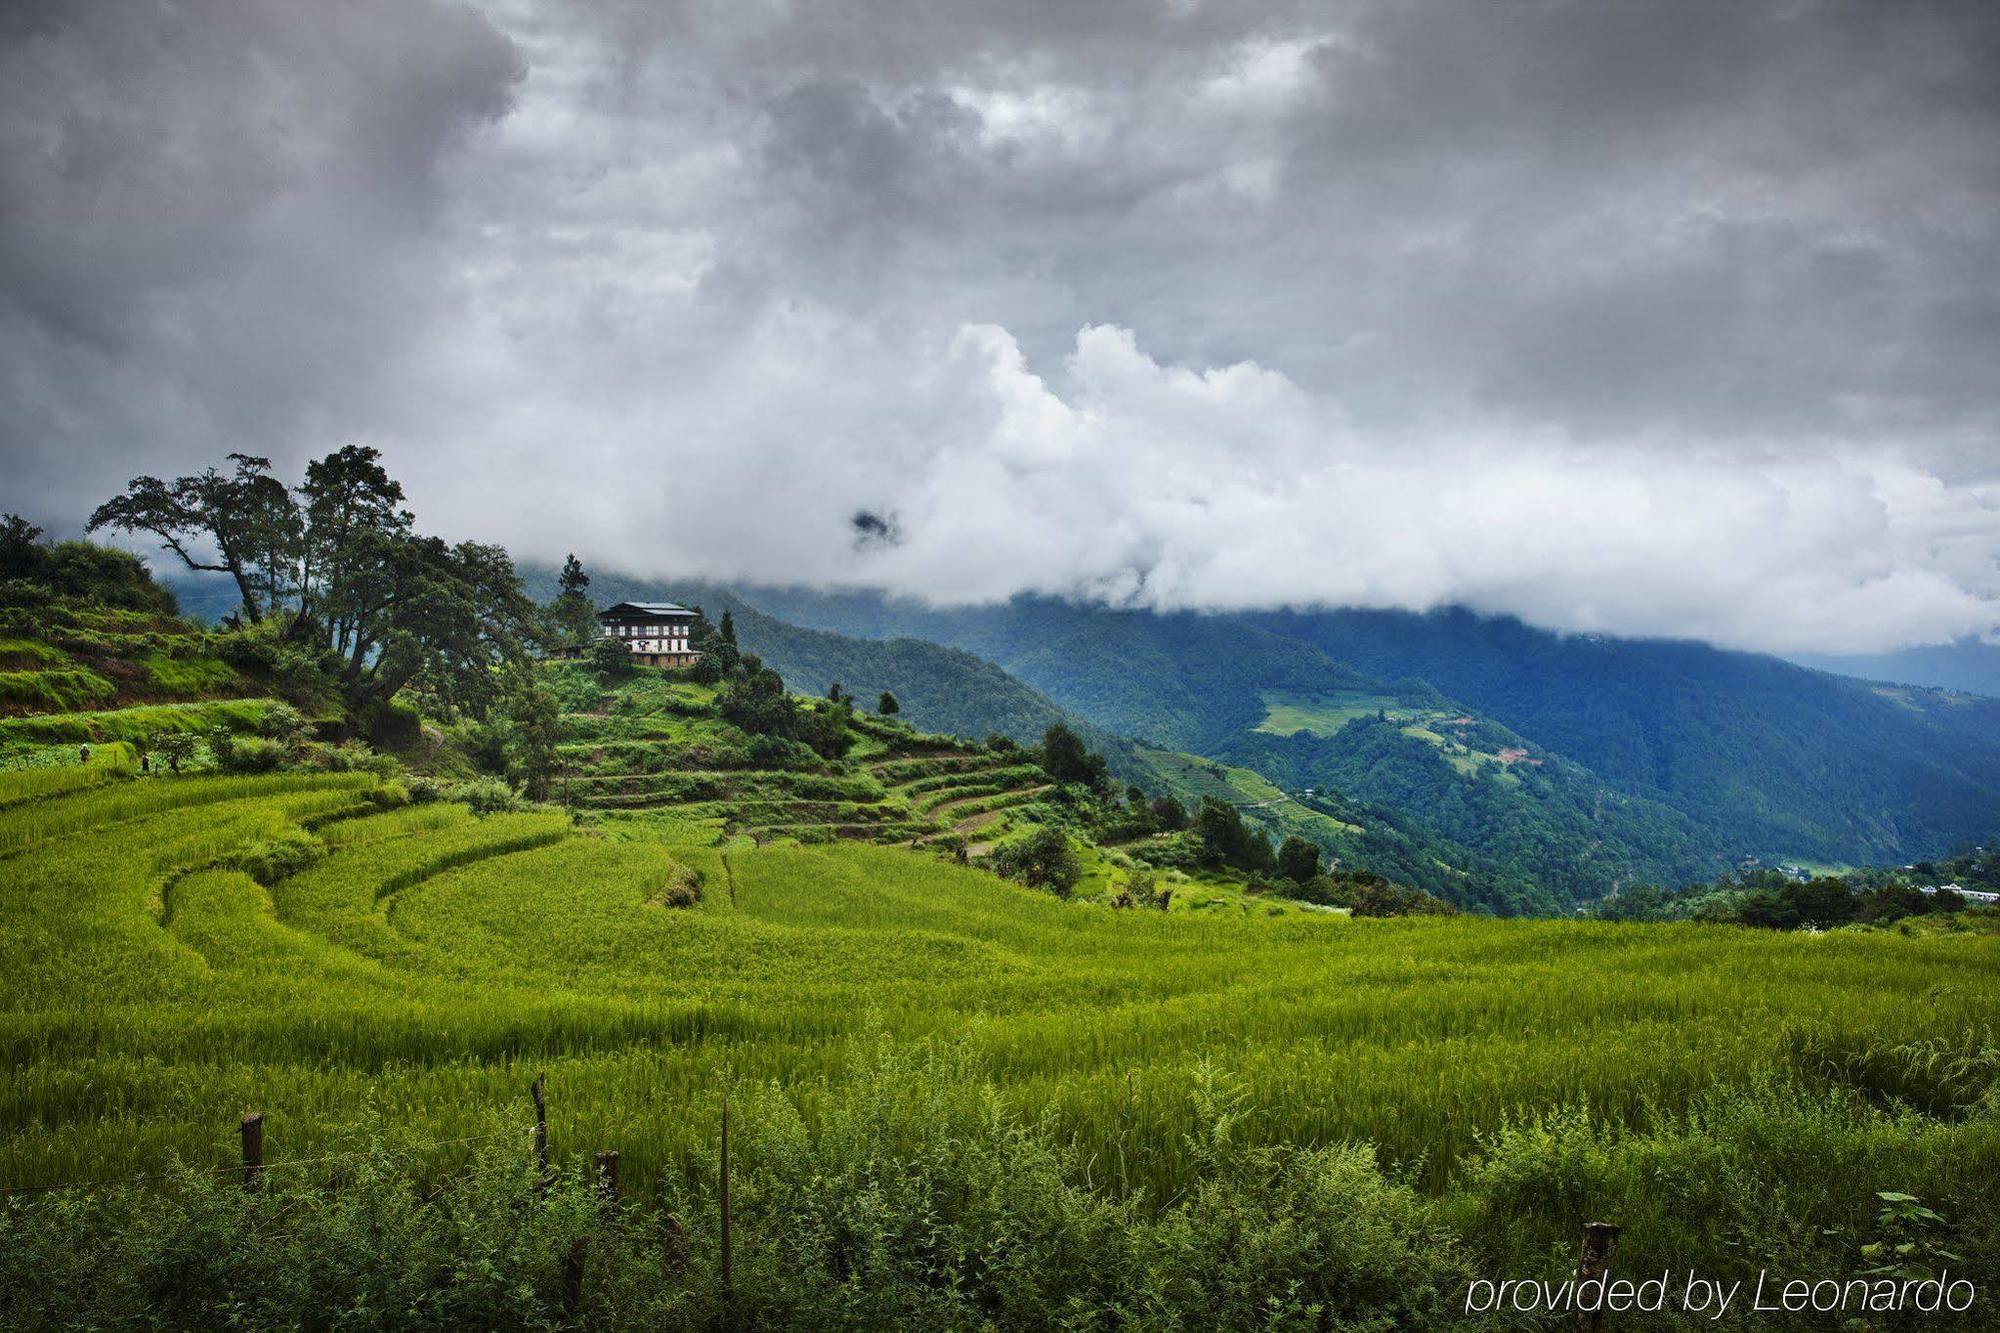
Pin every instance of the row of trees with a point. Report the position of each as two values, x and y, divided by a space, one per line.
335 565
1771 901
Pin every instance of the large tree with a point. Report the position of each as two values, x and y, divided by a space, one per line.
573 616
246 518
442 617
350 516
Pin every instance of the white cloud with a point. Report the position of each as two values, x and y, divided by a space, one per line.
1219 487
1480 310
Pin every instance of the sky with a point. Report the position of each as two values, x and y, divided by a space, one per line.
1640 318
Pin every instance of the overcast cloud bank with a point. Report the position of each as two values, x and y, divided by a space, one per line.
1641 318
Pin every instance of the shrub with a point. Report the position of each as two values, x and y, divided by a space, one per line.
1385 899
276 858
910 1199
393 722
175 748
611 658
423 790
1043 859
282 723
486 796
250 754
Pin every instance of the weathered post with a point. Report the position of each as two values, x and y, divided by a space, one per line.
1600 1241
541 1129
724 1199
252 1130
573 1276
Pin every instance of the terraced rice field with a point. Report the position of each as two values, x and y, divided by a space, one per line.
902 789
420 964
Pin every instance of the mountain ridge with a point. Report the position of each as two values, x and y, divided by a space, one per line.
1772 758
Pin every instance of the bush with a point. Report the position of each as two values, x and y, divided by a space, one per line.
423 790
1385 899
393 722
1043 859
282 723
486 796
276 858
250 754
295 670
610 657
1298 860
910 1199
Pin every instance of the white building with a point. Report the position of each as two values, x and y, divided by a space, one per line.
656 633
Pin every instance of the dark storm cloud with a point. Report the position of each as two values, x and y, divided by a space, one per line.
212 212
1640 317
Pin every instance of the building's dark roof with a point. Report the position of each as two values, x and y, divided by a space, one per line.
643 609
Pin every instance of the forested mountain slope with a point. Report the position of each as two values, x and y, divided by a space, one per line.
1968 664
1773 755
1753 754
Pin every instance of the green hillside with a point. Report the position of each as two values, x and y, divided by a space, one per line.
1677 758
1766 756
77 672
653 755
1540 830
941 689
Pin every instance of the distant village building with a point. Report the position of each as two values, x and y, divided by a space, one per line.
1970 895
656 633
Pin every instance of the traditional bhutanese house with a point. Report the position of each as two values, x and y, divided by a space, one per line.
656 633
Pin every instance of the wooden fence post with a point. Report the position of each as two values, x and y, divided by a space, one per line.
1600 1241
252 1130
541 1129
724 1200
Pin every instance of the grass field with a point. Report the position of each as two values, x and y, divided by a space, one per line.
179 950
1324 714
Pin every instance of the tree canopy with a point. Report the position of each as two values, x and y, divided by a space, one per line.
338 560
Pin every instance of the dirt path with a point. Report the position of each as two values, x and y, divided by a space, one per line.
974 823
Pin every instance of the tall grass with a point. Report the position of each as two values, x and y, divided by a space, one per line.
419 967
